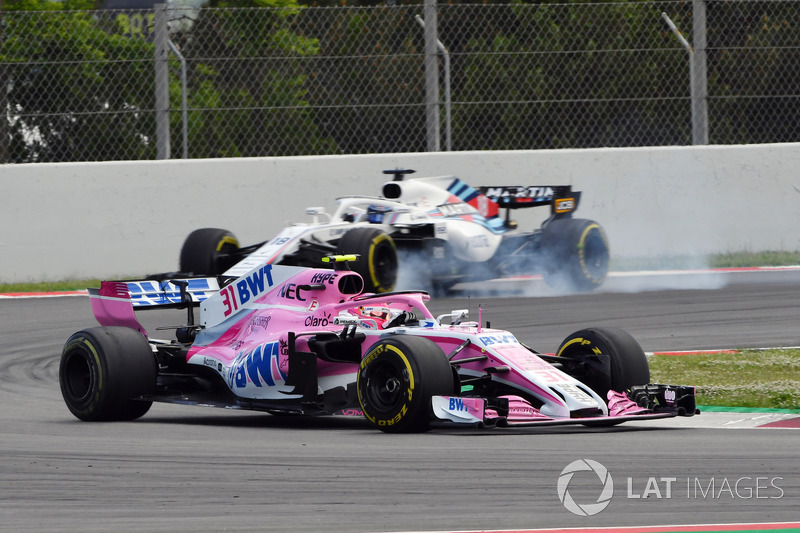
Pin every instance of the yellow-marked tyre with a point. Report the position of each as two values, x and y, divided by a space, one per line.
102 372
377 263
575 254
629 365
208 252
397 379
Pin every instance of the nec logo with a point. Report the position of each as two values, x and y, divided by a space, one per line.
291 291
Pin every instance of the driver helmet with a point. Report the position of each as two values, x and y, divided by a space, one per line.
381 315
375 213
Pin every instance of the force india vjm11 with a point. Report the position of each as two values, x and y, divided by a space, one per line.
439 231
284 339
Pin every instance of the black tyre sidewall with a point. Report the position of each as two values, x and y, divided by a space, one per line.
378 261
412 360
629 365
102 369
201 250
575 254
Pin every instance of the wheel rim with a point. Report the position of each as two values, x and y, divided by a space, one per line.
221 260
79 377
595 256
387 386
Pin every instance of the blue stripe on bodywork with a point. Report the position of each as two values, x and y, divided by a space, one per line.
462 190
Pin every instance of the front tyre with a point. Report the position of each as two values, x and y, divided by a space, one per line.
103 369
207 252
629 365
397 379
377 263
575 254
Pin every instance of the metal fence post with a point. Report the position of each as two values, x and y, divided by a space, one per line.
697 85
160 40
431 76
448 143
184 105
699 74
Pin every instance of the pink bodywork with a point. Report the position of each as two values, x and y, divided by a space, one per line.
247 323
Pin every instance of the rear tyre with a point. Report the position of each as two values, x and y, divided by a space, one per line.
397 379
629 365
103 369
377 263
575 254
206 252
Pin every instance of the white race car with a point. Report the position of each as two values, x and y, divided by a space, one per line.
437 231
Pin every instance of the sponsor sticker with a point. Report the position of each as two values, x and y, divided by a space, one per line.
564 205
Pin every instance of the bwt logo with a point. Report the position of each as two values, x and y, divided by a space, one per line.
586 509
457 404
246 288
263 364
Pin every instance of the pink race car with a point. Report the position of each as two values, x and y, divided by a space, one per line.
285 339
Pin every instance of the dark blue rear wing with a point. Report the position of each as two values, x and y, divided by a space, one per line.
561 198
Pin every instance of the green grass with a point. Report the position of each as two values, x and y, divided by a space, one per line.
750 260
52 286
748 378
733 260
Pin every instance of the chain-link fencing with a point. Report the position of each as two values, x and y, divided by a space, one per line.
83 86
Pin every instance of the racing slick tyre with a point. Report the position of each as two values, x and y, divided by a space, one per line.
206 252
102 369
575 254
628 362
377 262
397 379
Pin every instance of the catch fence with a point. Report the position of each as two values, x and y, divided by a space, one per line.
177 82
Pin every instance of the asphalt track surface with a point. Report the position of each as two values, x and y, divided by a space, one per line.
183 468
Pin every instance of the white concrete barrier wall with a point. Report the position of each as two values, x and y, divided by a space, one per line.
126 219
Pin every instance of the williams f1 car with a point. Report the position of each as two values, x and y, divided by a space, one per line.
284 339
437 231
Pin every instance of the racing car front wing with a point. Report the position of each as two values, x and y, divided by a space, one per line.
645 402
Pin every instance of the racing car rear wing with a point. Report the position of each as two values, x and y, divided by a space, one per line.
161 293
561 198
113 304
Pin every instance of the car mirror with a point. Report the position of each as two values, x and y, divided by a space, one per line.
316 212
456 316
